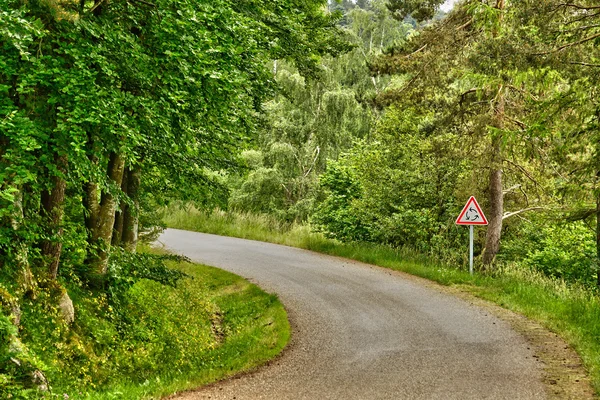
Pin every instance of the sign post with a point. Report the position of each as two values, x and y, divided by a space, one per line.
471 215
471 249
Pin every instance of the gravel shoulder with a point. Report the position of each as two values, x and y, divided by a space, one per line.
363 332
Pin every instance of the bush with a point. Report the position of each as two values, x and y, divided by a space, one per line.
565 251
15 364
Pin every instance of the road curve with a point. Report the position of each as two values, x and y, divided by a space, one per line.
362 332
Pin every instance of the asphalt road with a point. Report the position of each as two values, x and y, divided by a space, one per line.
362 332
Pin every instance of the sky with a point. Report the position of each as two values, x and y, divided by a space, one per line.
447 6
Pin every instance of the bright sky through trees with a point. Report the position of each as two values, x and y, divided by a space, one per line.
447 6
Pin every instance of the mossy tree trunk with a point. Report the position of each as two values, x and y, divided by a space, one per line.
21 258
120 213
52 210
102 230
131 217
598 234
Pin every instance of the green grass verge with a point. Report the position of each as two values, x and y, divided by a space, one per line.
208 328
571 311
160 340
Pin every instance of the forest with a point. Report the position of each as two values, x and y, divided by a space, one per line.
496 99
367 121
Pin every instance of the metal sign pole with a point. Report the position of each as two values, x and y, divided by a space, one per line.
471 249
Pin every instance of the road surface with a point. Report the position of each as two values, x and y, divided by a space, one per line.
363 332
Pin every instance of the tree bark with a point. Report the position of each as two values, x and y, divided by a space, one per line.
102 235
598 234
120 214
22 250
494 231
91 202
131 215
496 194
52 210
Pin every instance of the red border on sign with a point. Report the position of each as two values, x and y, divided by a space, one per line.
470 202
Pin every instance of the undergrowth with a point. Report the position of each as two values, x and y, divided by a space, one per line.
152 332
571 310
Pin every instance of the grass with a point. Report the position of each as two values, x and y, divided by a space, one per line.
217 325
571 311
161 340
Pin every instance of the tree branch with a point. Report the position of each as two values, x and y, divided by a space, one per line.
577 6
510 189
585 64
465 25
582 18
577 43
317 151
579 28
524 171
513 213
98 4
516 122
581 214
462 96
523 92
469 91
414 78
417 51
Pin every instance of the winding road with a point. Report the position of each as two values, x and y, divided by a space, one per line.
363 332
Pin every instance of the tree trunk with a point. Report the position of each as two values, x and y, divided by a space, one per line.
52 210
91 202
15 219
92 206
597 187
120 214
102 235
131 215
22 250
598 234
494 231
496 195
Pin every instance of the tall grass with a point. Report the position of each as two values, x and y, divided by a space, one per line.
571 311
241 225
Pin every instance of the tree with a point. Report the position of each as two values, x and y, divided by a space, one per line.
118 104
453 66
420 10
311 121
567 40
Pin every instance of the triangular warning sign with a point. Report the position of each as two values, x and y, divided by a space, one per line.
471 214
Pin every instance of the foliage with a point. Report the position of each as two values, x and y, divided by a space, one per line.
418 9
561 250
109 110
335 215
336 113
126 269
239 224
312 121
157 339
398 189
519 134
77 119
13 375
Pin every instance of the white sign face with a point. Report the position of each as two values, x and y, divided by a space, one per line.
471 214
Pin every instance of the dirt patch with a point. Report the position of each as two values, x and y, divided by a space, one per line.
217 327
